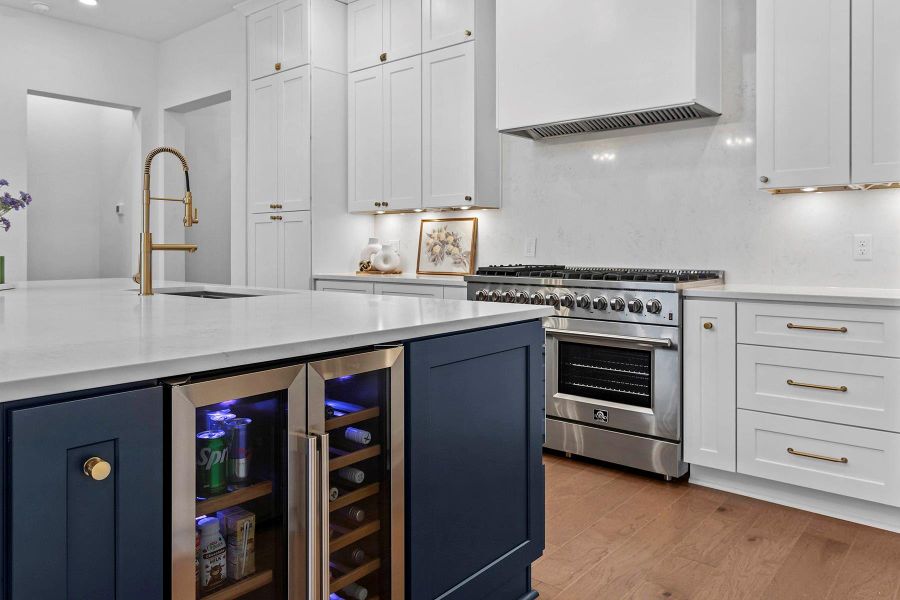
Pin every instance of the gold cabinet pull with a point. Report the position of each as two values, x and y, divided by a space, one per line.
842 459
96 468
275 217
830 388
817 328
277 66
468 32
707 325
273 206
383 57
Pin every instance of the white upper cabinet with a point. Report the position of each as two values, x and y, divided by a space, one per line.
402 105
401 29
448 122
364 34
262 46
278 38
293 33
876 91
294 140
365 137
803 93
262 146
447 22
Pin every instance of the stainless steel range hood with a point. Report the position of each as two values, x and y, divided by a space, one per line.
586 66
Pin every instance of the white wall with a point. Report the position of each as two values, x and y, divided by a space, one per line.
78 158
679 196
53 56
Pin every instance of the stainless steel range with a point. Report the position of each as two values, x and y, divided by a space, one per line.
613 356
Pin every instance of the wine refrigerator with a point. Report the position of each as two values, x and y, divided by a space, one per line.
288 482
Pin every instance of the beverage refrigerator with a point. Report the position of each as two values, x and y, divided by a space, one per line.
288 481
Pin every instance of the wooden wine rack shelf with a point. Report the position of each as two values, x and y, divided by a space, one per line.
355 575
244 586
238 496
353 535
343 458
351 418
355 496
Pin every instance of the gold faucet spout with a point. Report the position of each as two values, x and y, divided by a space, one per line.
144 276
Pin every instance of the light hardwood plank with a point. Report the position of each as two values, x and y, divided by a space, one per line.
872 567
709 544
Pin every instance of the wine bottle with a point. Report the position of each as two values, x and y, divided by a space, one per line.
357 556
358 436
334 493
329 411
352 474
354 514
355 592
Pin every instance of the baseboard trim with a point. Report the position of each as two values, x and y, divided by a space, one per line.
863 512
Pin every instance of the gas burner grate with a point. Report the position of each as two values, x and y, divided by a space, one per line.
599 273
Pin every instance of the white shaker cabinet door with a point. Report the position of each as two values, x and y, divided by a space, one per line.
295 265
876 91
803 92
448 121
262 243
402 174
294 139
710 383
262 47
364 31
447 22
293 33
401 28
365 137
262 150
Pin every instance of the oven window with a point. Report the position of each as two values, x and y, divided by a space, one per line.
605 373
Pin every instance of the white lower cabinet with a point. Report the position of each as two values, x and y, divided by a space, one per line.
353 287
409 289
850 461
381 288
279 250
709 383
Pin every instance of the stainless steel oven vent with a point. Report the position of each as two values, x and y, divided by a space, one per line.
653 116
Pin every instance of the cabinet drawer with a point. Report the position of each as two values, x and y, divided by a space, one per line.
873 331
833 458
354 287
839 388
409 289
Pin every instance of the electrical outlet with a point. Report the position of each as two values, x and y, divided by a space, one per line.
530 247
862 246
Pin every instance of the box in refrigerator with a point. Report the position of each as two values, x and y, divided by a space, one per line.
239 529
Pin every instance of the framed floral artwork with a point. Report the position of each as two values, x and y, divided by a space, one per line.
447 246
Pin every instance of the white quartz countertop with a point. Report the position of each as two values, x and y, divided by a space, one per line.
445 280
73 335
778 293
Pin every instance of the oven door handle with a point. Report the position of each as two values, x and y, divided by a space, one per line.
612 337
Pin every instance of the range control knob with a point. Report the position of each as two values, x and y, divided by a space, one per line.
496 296
654 307
522 298
537 298
567 301
481 295
601 303
583 301
617 304
552 300
509 296
635 306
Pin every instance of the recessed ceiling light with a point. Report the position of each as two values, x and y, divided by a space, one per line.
40 7
89 2
809 189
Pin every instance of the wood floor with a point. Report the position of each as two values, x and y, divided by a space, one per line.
620 535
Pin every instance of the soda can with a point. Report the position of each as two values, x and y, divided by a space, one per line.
216 420
238 451
212 457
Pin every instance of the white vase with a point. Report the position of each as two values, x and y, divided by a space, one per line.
371 249
388 260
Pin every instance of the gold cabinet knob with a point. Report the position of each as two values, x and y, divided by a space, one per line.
383 57
96 468
707 325
468 33
277 66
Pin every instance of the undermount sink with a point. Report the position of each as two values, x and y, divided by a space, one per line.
215 292
210 294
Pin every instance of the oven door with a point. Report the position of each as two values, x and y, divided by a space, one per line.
621 376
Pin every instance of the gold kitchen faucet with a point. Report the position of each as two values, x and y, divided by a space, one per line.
144 276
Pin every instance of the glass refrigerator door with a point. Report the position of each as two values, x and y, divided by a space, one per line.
232 459
356 410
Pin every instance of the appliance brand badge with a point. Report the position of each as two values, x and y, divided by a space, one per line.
601 415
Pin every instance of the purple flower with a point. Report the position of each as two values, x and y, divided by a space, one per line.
3 182
5 224
25 197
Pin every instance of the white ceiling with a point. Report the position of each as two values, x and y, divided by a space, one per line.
154 20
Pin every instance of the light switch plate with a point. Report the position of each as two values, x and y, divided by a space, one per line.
862 246
530 247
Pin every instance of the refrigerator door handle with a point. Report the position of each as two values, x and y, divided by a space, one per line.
324 515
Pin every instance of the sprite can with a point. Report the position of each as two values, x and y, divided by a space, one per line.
212 458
